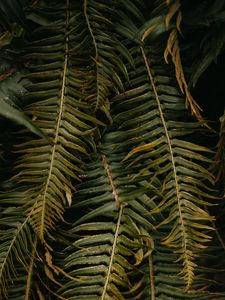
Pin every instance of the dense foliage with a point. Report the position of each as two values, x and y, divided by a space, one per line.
112 175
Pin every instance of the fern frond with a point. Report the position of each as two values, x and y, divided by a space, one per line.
107 67
109 241
135 195
151 113
58 107
16 238
173 49
155 109
161 279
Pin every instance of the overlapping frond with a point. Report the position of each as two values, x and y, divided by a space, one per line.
161 278
111 238
24 282
106 65
59 108
173 49
16 241
138 189
155 108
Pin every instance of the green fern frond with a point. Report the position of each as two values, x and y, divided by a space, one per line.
135 193
107 68
150 114
24 280
16 238
160 275
59 108
111 237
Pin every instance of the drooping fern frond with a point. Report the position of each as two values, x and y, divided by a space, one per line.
155 108
135 191
110 240
59 108
16 241
106 65
173 49
24 280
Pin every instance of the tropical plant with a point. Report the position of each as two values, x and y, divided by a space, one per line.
109 187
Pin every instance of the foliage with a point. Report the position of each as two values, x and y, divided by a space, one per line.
108 187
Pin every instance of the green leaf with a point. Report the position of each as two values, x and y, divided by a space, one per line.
13 114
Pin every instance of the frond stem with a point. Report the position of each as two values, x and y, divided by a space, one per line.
113 252
116 197
110 177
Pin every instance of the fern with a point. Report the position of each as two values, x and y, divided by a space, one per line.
109 241
16 239
112 198
62 113
160 274
156 133
107 67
